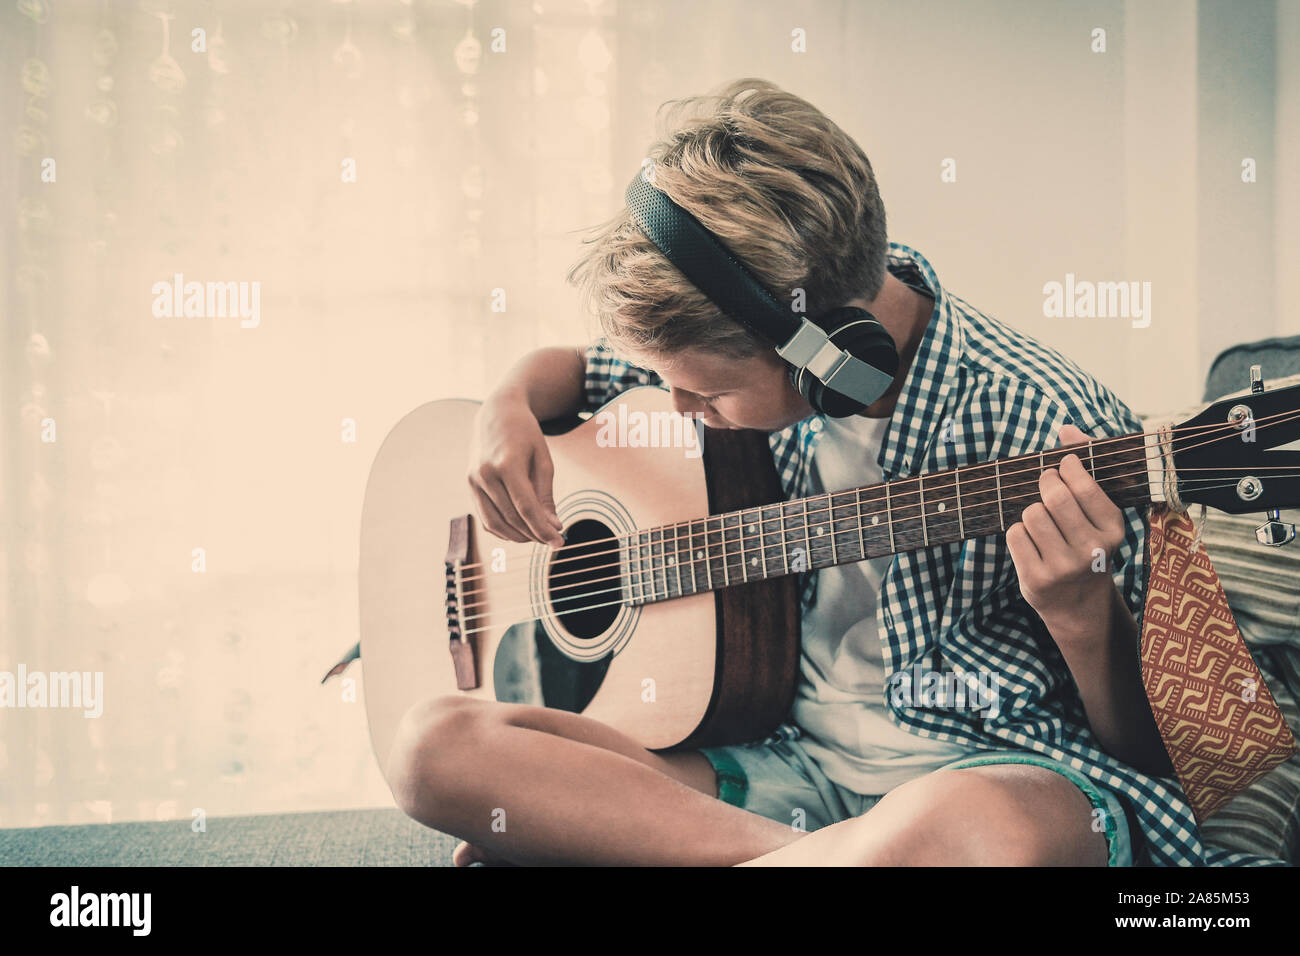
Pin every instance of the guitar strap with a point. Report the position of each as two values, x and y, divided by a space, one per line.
1219 723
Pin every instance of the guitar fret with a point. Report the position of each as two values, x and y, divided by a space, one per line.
807 543
708 573
961 523
655 566
997 477
646 570
649 565
785 536
862 545
740 535
1092 463
747 530
675 559
640 565
686 556
762 540
757 561
889 519
830 503
689 557
925 534
727 541
785 551
662 541
633 598
766 562
626 553
722 544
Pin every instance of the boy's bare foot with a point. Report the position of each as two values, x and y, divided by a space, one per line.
468 853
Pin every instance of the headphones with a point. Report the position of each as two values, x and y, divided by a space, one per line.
841 360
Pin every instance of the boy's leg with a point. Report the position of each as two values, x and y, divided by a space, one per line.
1007 814
535 785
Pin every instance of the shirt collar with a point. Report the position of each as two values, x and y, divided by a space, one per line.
923 400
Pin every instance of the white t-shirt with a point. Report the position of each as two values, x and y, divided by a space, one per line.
840 701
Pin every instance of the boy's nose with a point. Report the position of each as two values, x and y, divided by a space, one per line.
685 402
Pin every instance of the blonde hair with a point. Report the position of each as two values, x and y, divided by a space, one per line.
784 188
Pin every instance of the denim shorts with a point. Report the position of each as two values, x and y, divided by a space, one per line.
776 778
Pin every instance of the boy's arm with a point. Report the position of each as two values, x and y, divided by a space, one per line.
1101 649
548 381
1055 547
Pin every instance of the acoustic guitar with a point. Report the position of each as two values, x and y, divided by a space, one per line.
671 612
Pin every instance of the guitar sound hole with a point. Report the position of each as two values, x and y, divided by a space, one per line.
584 581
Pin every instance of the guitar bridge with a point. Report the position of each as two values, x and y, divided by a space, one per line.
461 647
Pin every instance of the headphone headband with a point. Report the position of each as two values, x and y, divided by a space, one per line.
714 270
703 259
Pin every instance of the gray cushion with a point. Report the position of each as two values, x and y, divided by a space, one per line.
1265 817
1229 372
1262 584
335 838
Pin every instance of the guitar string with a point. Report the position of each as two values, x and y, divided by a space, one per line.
665 529
759 553
592 607
762 544
531 606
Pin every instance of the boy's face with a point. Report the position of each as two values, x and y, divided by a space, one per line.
733 393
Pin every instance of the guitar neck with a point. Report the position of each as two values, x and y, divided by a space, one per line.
873 521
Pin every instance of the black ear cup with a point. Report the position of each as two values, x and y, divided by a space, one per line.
857 332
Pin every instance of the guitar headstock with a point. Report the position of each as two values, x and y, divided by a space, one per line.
1222 456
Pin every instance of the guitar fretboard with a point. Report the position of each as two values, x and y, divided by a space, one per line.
820 531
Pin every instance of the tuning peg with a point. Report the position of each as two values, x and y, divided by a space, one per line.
1274 531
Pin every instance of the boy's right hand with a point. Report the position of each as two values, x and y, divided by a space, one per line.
510 473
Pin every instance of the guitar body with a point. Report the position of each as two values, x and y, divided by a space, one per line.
708 668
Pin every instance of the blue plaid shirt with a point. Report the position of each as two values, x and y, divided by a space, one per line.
995 393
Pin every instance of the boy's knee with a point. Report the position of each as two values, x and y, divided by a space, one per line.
964 817
429 749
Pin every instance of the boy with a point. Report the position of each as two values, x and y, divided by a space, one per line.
1067 768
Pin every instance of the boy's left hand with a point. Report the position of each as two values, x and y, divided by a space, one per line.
1062 546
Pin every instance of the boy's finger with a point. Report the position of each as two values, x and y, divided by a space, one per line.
1042 529
1058 497
1021 545
1096 504
1070 435
544 483
531 511
497 496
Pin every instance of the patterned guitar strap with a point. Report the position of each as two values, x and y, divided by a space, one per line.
1219 723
